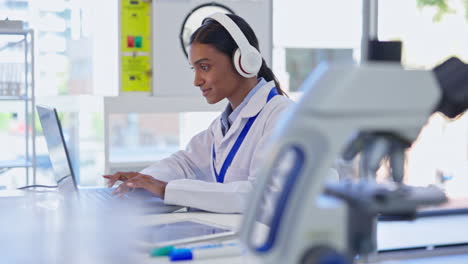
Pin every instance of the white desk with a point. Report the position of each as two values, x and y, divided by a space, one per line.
42 222
423 232
429 232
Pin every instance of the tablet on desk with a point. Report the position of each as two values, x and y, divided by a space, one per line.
183 232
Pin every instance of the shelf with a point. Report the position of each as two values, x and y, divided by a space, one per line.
7 31
11 98
14 98
159 104
19 163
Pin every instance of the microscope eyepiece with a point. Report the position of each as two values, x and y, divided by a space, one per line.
452 76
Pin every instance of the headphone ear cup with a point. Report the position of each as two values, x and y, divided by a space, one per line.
236 60
248 66
251 60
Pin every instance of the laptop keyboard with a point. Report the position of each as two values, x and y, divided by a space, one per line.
138 198
104 194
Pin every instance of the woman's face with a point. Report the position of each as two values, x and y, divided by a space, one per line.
214 72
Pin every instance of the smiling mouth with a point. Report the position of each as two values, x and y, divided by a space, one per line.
206 91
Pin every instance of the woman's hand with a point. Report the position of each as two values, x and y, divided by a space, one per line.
132 180
119 176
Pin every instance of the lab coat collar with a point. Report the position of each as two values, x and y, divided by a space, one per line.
257 101
252 108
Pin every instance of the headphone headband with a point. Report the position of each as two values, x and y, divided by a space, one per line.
233 30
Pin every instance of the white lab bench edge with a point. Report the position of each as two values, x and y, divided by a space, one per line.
228 220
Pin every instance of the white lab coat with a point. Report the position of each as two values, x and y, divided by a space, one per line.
189 172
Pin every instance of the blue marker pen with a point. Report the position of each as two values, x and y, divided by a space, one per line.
213 251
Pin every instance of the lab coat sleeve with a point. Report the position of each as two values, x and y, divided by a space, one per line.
208 196
222 197
191 163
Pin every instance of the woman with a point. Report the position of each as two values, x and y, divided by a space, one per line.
216 170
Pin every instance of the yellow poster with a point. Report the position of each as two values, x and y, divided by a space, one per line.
135 46
136 74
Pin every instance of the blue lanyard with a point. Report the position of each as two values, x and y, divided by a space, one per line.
237 144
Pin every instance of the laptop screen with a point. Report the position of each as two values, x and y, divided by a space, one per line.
58 152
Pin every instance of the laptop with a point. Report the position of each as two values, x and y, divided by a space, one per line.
66 180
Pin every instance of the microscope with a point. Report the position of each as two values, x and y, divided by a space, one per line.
375 109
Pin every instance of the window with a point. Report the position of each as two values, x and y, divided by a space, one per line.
312 35
71 59
137 140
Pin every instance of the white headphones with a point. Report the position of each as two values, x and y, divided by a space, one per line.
247 60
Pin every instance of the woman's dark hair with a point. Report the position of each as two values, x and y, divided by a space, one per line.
213 33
